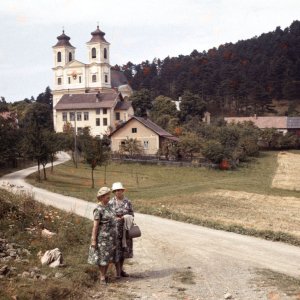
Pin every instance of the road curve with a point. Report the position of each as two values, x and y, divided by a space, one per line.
221 261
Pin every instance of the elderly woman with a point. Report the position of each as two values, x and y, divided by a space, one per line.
104 234
122 208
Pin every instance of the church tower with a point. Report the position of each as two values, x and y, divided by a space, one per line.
98 57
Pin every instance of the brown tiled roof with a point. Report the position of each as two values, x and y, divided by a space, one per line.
152 126
98 36
117 78
63 40
261 122
123 105
82 101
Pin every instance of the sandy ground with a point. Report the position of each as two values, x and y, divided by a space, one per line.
288 172
221 262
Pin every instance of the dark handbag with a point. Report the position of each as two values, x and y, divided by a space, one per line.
134 232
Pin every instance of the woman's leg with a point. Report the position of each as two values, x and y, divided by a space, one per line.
118 269
103 270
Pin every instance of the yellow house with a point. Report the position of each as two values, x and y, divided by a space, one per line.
147 132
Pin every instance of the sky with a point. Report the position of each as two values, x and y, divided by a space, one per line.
137 30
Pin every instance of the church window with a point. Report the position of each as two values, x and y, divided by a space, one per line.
104 121
59 81
93 52
97 121
106 78
78 116
65 116
58 56
70 56
86 116
117 116
94 78
105 53
79 78
69 80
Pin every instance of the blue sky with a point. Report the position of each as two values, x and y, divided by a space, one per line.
137 30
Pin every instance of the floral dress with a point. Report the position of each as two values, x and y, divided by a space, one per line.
122 208
105 251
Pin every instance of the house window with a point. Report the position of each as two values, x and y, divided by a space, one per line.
134 130
70 56
104 121
86 116
65 116
98 111
94 78
104 111
59 81
72 116
79 78
106 78
58 56
97 121
78 116
69 80
93 52
146 145
105 53
117 116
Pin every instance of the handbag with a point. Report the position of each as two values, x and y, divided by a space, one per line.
134 232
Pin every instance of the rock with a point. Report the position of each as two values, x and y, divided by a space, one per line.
2 254
4 270
35 270
228 296
25 274
47 233
44 277
26 252
58 275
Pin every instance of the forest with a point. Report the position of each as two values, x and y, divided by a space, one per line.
234 79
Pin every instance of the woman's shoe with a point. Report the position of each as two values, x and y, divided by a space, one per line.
103 282
124 274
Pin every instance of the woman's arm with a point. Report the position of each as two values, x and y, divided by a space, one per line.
95 233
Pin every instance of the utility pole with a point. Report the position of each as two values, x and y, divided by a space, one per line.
75 139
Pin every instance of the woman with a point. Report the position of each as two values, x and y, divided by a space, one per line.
122 207
104 234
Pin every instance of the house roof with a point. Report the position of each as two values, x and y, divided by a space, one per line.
123 105
87 101
293 122
261 122
151 125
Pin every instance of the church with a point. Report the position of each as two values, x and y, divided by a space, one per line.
88 95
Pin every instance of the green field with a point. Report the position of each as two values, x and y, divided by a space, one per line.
195 194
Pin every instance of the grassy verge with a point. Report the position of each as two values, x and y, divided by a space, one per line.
21 221
197 195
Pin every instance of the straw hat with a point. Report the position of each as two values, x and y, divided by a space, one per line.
117 186
103 191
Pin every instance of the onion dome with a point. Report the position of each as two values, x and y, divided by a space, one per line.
63 40
98 36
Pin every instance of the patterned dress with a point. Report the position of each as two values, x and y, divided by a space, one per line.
105 251
122 208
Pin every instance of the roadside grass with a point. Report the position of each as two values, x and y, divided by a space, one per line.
21 221
185 276
288 285
196 195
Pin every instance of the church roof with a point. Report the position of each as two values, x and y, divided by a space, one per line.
117 78
97 36
63 40
87 101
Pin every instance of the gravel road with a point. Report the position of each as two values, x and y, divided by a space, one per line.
216 262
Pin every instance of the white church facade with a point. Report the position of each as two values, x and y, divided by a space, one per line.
88 95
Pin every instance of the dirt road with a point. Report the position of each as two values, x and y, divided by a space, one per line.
175 260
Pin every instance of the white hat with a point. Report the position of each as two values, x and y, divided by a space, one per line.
103 191
117 186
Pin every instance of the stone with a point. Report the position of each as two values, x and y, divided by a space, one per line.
228 296
58 275
4 270
25 274
44 277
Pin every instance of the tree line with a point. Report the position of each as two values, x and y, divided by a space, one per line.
236 79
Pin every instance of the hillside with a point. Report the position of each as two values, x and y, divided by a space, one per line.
237 79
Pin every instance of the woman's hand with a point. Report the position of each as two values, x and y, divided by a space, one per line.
94 243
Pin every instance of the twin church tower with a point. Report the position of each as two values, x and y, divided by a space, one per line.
91 94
